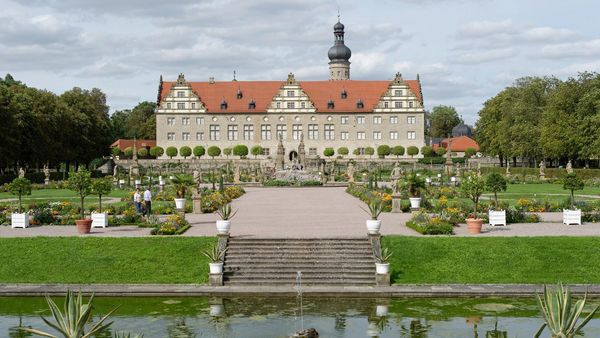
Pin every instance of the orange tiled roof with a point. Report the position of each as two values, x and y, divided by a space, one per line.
459 144
124 143
262 92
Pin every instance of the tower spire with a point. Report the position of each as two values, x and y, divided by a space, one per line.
339 54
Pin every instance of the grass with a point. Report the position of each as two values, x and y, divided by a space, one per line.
494 260
544 191
104 260
59 195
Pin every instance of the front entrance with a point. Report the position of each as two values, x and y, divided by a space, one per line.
293 156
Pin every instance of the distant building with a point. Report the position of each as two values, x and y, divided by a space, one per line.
458 144
335 113
123 144
462 129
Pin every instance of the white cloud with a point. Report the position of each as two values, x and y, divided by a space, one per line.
489 55
483 29
590 48
367 62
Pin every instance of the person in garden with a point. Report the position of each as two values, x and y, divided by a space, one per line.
148 201
137 200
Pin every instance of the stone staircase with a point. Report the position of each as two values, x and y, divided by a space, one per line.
276 261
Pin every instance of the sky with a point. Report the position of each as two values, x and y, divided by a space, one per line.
465 51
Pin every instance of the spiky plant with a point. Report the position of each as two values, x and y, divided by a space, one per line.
561 318
383 257
71 323
215 254
375 208
128 335
226 212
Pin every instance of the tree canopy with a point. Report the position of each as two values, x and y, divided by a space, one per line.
443 119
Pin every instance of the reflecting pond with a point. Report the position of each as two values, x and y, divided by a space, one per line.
280 317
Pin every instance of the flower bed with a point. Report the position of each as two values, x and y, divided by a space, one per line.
363 193
427 225
174 225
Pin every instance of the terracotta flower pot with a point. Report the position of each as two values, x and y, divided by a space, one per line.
474 225
83 226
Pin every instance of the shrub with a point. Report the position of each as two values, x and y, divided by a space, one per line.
572 182
227 151
128 152
115 151
495 183
426 151
199 151
472 187
422 223
171 152
356 152
412 151
343 151
469 152
383 150
440 160
256 150
81 183
397 151
240 150
328 152
143 152
440 151
185 151
20 187
156 151
214 151
101 187
369 151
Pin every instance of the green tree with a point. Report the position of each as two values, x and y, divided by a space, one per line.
443 119
472 187
369 151
441 151
343 151
412 151
227 151
81 183
469 152
383 150
185 151
142 152
495 183
156 151
328 152
397 151
256 150
214 151
20 187
171 152
101 187
426 151
199 151
572 182
128 152
115 151
356 151
240 150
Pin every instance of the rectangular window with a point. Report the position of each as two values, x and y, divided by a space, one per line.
200 136
266 151
344 135
170 121
193 105
180 94
397 93
170 136
411 120
232 132
265 132
199 120
185 136
376 119
180 105
303 104
393 119
344 120
361 151
248 132
360 120
377 135
411 135
290 93
282 131
313 131
296 131
185 121
361 135
214 132
398 104
393 135
329 132
312 151
410 104
278 105
291 105
386 104
169 105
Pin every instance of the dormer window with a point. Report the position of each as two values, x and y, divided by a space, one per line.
330 104
360 104
252 105
239 94
223 104
180 94
344 94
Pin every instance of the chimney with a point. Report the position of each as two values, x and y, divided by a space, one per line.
211 80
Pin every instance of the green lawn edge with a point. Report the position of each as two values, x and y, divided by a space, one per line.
493 260
141 260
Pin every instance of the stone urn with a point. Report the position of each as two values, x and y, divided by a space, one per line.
373 226
83 226
474 225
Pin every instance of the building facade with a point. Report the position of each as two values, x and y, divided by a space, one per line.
334 113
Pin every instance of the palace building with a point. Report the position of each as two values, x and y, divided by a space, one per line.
333 113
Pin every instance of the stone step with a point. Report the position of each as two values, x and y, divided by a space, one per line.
308 257
342 282
295 262
299 247
296 268
306 275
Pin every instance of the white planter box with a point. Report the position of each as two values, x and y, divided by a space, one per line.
99 220
223 226
382 268
373 226
19 220
215 268
180 203
415 202
571 216
381 310
497 217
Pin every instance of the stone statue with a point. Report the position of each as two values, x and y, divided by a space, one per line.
542 168
396 172
507 168
21 173
196 176
457 169
350 172
46 172
479 169
236 174
569 167
115 171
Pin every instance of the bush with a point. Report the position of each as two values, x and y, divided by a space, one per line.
256 150
240 150
343 151
426 225
185 151
143 152
128 152
383 150
199 151
426 151
157 151
440 151
356 152
227 151
412 151
369 151
397 151
214 151
328 152
440 160
171 152
115 151
469 152
572 182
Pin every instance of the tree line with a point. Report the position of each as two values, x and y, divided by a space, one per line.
543 118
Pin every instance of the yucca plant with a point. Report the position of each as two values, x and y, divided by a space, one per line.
375 208
71 323
128 335
561 318
226 212
215 254
383 257
182 182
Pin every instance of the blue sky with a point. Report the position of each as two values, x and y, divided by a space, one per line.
465 51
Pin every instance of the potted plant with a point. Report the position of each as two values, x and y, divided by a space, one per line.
20 187
100 187
415 184
495 183
215 256
472 187
81 183
181 183
226 212
382 265
572 182
375 208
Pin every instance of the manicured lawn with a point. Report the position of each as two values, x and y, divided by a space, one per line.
545 191
59 195
494 260
104 260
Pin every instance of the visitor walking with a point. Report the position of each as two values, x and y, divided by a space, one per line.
137 201
148 201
